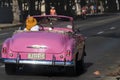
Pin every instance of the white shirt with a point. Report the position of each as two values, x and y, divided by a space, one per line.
34 28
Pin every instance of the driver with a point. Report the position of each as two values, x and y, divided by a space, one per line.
31 24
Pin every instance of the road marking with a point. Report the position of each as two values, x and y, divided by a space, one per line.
100 32
113 28
3 34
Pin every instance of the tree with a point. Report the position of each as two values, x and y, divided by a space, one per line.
119 4
16 11
112 6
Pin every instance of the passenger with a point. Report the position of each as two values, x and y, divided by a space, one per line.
52 11
31 24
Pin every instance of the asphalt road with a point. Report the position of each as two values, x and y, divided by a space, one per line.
102 47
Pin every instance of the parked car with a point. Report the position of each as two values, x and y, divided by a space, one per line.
55 44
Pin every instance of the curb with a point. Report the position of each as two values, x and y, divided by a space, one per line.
9 25
93 15
97 15
4 26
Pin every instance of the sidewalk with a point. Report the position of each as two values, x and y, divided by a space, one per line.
9 25
98 14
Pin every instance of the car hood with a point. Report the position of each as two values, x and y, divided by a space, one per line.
38 42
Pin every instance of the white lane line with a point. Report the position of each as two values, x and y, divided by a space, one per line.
2 66
3 34
113 28
100 32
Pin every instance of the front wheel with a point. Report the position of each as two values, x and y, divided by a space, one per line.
10 69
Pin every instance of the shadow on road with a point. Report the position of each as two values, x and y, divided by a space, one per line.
88 64
32 70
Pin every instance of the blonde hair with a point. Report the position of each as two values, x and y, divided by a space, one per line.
30 22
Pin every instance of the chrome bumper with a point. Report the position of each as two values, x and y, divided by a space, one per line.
39 62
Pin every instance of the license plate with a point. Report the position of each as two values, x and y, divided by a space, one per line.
36 56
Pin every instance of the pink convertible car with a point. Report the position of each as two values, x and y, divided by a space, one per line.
55 44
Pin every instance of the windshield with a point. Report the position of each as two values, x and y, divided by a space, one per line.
55 21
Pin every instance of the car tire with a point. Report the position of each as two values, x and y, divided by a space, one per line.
77 69
80 66
10 69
